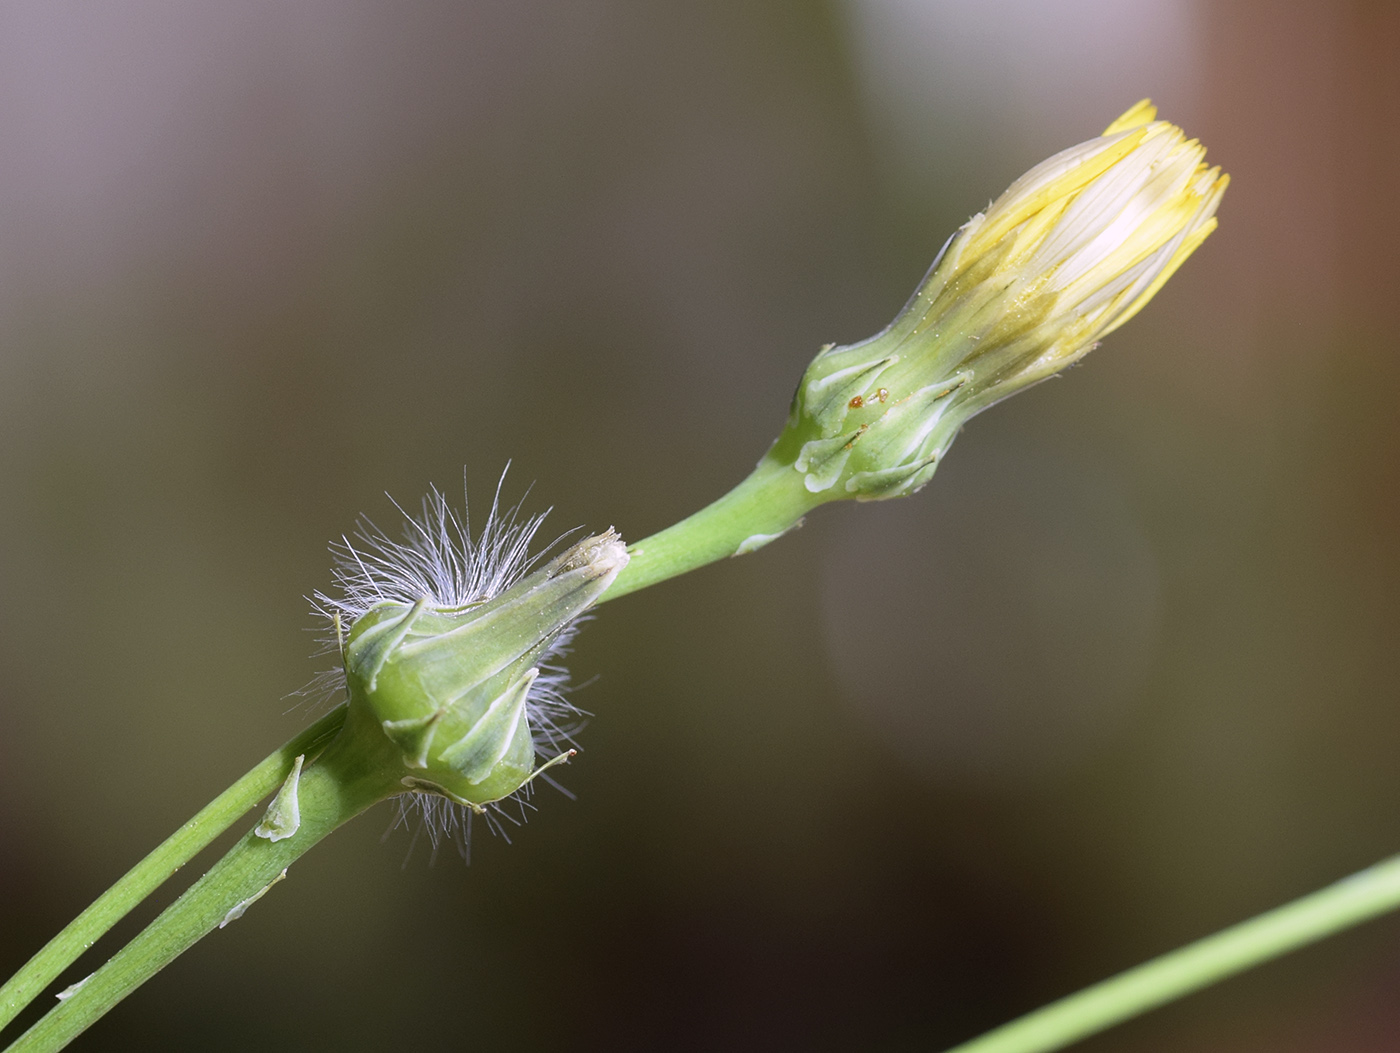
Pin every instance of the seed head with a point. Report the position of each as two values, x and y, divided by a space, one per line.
450 643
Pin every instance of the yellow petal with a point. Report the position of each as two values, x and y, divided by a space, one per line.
1047 182
1141 113
1190 245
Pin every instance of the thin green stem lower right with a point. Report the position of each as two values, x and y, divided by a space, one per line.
1365 895
142 879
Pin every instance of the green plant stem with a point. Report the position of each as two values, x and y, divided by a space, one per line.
770 502
1365 895
340 785
142 879
332 791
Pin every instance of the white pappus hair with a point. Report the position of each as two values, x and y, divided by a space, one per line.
439 558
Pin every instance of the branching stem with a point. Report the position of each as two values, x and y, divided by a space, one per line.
146 876
335 788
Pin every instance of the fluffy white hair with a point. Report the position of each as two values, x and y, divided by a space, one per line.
439 558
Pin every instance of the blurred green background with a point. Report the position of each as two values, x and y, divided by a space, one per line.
1124 673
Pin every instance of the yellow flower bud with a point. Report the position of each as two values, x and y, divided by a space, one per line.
1071 251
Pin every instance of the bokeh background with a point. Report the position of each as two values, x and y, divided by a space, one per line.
1125 673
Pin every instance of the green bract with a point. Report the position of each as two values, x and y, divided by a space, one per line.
449 686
